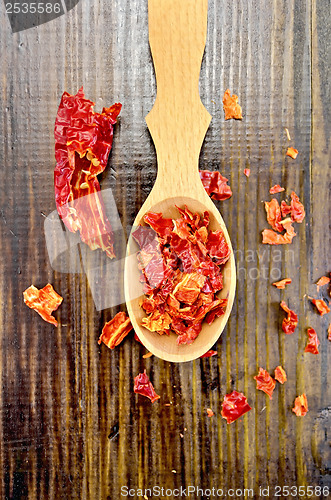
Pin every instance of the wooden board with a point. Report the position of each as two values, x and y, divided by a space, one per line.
70 425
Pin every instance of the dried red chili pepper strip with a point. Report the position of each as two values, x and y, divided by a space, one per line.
285 209
324 280
231 106
290 323
282 283
143 386
273 214
83 141
329 332
297 209
209 354
44 301
215 185
247 172
280 375
115 330
313 342
270 237
292 152
234 406
320 306
300 405
264 382
276 189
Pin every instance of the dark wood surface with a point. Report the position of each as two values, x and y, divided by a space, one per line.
70 425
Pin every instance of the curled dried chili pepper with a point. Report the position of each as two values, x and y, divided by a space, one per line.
115 330
270 237
264 382
231 106
276 189
282 283
313 342
83 140
44 301
292 152
280 375
234 406
300 406
320 306
143 386
290 323
215 185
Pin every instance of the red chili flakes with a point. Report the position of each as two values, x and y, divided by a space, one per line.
215 185
313 342
280 374
231 106
44 301
143 386
329 332
282 283
270 237
83 140
289 324
264 382
247 172
300 405
209 354
273 214
320 306
115 330
324 280
210 412
297 208
276 189
234 406
292 152
180 263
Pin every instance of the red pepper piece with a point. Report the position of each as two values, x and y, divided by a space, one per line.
297 208
264 382
231 106
324 280
282 283
320 306
292 152
234 406
313 342
115 330
210 412
143 386
329 332
273 214
247 172
44 301
276 189
215 185
280 374
272 238
300 405
209 353
289 324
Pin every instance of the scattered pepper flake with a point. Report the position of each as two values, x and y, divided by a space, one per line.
147 355
321 306
282 283
115 330
288 134
209 353
329 332
290 323
273 214
313 342
210 412
297 209
292 152
280 374
300 405
143 386
276 189
264 382
270 237
44 301
324 280
234 406
247 172
215 185
231 106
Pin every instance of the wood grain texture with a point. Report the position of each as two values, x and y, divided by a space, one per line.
70 425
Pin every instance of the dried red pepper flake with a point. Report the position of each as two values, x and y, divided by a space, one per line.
273 214
234 406
276 189
247 172
231 106
180 267
297 209
313 342
324 280
264 382
282 283
320 305
329 332
143 386
83 140
285 209
115 330
292 152
280 374
44 301
300 405
209 354
270 237
215 185
210 412
290 323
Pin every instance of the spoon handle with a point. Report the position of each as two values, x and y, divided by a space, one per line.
178 120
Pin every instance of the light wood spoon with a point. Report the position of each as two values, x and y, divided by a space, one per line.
178 123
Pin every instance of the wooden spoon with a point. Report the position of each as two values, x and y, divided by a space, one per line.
178 123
